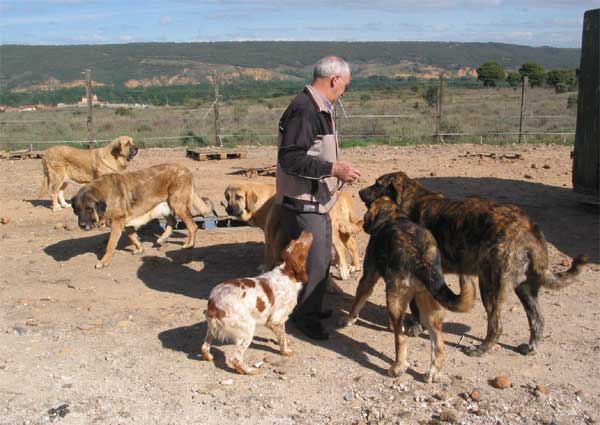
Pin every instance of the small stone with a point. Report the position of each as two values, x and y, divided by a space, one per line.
528 176
227 382
546 166
348 396
432 174
475 395
59 226
449 415
501 382
61 411
123 324
533 166
541 390
582 394
5 220
20 330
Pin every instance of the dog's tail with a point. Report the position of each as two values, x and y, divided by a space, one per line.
562 279
351 227
202 206
538 259
44 189
432 278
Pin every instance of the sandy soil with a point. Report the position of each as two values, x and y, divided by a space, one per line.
121 344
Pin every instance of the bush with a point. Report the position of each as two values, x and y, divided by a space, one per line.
534 71
561 88
192 139
513 79
489 73
431 96
572 101
124 112
448 126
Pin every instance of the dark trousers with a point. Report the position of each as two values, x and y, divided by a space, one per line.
310 301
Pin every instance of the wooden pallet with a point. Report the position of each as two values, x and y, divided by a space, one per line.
200 155
21 154
255 172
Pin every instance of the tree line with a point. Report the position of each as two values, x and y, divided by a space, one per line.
492 73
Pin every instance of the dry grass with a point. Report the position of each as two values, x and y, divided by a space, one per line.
479 111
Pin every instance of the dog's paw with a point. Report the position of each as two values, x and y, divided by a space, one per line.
65 205
101 265
397 369
206 356
56 208
413 329
526 350
434 376
346 322
138 251
476 351
187 245
287 353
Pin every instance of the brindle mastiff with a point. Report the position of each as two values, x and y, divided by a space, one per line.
498 243
64 164
406 256
123 201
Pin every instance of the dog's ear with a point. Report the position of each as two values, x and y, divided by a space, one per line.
251 200
100 208
405 190
116 150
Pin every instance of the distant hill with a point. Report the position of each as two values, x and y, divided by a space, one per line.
165 64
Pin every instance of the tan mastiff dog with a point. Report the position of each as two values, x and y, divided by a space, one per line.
128 200
254 203
64 164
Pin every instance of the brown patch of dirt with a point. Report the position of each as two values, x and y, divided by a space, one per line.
121 344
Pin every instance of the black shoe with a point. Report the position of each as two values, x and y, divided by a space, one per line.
312 329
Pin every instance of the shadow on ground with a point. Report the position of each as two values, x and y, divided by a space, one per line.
219 263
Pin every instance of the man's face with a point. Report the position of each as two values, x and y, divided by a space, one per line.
339 84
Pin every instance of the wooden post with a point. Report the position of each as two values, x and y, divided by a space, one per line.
522 116
218 140
438 119
90 124
586 157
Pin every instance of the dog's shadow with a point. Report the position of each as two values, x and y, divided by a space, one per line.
194 272
70 248
189 339
47 203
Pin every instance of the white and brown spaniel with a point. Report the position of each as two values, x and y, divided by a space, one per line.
236 306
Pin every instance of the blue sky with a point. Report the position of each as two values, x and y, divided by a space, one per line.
530 22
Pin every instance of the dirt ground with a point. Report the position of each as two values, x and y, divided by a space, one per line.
121 344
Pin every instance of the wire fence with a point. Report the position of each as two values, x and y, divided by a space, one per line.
403 118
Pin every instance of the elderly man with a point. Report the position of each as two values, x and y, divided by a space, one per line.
309 176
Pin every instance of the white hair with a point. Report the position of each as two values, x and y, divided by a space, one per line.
330 66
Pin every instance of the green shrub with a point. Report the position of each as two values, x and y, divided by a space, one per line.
124 112
192 139
561 88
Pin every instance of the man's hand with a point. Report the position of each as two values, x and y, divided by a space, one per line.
345 171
